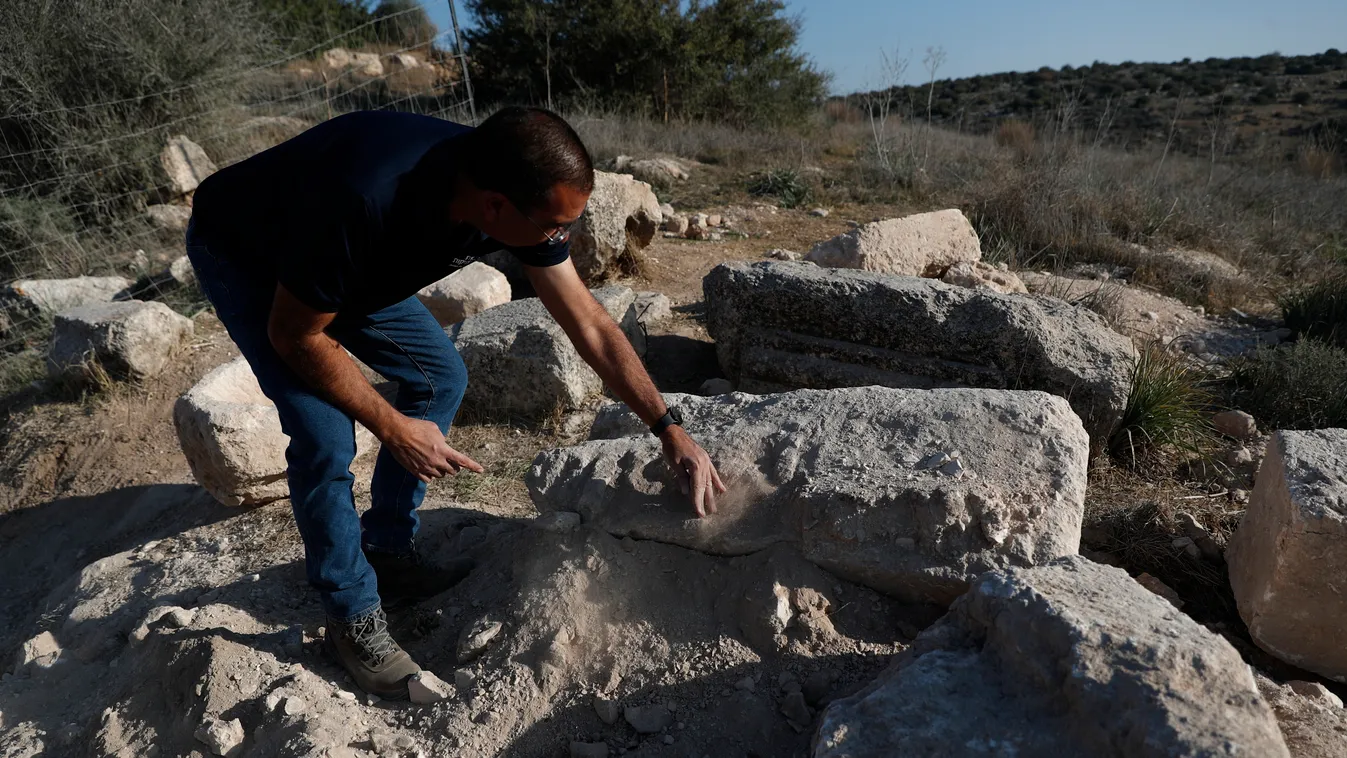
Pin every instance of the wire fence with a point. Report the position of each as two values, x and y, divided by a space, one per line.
108 206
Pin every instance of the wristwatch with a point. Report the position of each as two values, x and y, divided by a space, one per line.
666 421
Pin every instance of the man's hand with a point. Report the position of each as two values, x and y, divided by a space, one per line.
697 476
420 447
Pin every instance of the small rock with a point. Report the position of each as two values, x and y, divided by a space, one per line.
589 750
475 639
557 521
676 224
934 460
293 706
782 254
468 537
819 212
1150 315
794 707
1200 537
666 209
424 688
953 468
346 695
1240 456
816 687
668 739
221 737
745 685
1239 496
1315 691
648 719
42 651
713 219
606 709
717 386
464 679
1160 588
1237 424
179 618
715 236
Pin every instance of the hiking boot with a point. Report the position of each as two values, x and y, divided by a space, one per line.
407 576
365 649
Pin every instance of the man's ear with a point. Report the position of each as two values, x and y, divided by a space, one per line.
493 206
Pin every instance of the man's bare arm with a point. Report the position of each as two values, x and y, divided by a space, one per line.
297 333
603 346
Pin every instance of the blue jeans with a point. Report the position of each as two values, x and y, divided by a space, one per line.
403 343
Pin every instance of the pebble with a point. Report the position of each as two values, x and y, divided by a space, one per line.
346 695
953 468
424 688
293 706
475 639
648 719
464 679
1150 315
782 254
934 460
668 739
606 709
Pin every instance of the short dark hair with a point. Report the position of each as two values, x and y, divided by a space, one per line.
523 152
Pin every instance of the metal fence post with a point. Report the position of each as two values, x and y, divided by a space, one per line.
462 59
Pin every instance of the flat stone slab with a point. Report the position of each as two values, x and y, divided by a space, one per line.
1068 659
1288 559
910 492
781 326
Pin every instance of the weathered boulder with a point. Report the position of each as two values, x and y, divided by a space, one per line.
781 325
1071 658
1289 555
466 292
654 171
921 245
621 219
231 436
364 64
51 296
128 339
186 165
171 217
676 223
520 362
910 492
979 275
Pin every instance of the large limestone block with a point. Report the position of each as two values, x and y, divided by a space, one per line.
621 218
921 245
170 217
51 296
466 292
1288 559
858 479
128 339
1068 659
781 325
231 435
186 164
520 362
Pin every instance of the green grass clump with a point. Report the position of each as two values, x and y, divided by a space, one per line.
785 184
1297 386
1318 311
1167 407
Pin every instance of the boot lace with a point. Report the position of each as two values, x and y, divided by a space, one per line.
371 637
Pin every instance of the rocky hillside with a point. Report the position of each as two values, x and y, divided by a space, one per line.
1272 103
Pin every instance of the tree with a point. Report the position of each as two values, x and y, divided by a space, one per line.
733 60
403 23
303 24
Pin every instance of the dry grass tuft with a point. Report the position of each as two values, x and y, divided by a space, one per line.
1167 410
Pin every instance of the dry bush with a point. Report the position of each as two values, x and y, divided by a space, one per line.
1016 135
609 134
840 111
1316 162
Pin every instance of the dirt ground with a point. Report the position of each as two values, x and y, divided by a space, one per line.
101 524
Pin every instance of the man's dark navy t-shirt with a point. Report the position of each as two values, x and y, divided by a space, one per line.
353 214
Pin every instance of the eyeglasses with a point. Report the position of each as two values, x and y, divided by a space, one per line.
557 237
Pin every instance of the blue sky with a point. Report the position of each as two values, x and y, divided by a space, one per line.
846 37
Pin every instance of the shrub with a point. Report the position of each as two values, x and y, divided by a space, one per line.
1167 407
1297 386
785 184
1016 135
1318 311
